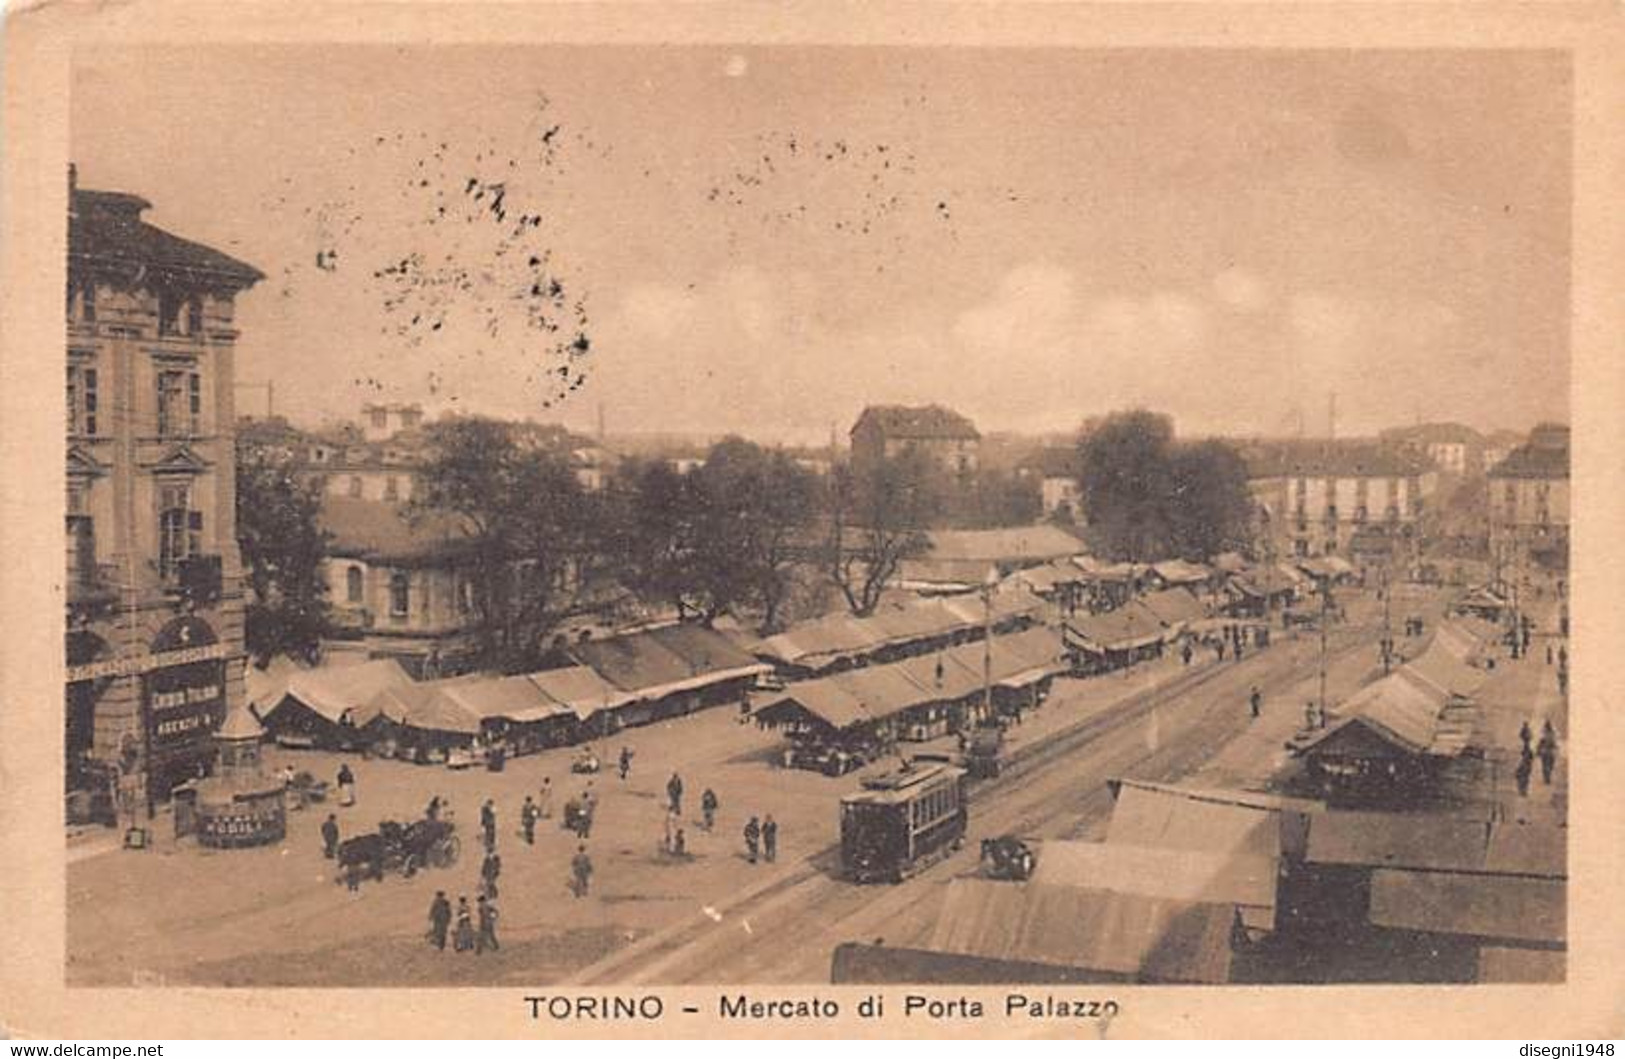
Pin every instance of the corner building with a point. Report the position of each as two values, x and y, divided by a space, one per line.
154 588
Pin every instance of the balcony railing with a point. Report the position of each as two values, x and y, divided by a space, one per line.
92 584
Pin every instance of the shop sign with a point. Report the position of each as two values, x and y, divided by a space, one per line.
128 665
184 704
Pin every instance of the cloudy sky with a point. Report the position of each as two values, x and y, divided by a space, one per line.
764 240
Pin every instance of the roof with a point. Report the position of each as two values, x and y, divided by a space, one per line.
1331 458
1234 823
1051 575
1180 572
266 686
1174 606
514 698
664 661
105 229
1129 626
824 700
1526 462
1434 433
580 689
380 530
1441 668
928 422
1511 964
1011 544
1128 935
333 691
1487 906
1437 842
1159 871
240 724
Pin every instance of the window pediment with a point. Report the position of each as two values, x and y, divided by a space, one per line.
179 459
83 464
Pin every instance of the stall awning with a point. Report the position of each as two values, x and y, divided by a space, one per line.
1503 907
334 691
1133 936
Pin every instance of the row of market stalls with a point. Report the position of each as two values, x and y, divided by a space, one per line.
1213 886
617 682
857 715
1391 741
905 629
1140 628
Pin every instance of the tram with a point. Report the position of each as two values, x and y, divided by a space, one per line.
903 821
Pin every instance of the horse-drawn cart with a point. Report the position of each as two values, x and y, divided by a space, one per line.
405 848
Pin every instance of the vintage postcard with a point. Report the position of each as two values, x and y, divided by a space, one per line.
923 520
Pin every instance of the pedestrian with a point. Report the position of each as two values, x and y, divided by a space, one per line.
679 846
489 870
626 762
744 706
1256 701
753 836
488 824
708 808
544 800
439 920
1218 649
1562 680
527 820
463 936
770 839
1548 654
674 792
1185 654
346 784
330 836
1526 762
487 916
432 813
1547 749
1525 736
580 872
1308 714
1562 657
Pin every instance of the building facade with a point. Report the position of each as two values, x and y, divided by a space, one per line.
1529 506
885 432
380 422
1452 448
1356 498
154 594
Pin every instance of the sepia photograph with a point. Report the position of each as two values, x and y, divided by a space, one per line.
588 517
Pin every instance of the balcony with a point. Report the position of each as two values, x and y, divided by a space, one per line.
92 587
198 579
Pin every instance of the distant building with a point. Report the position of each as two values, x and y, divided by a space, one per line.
1451 447
399 587
1529 503
1498 445
887 431
154 577
1056 470
382 421
1318 497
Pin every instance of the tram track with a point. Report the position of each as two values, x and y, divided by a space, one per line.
814 882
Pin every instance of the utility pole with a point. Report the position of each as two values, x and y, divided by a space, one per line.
1325 619
1387 626
987 643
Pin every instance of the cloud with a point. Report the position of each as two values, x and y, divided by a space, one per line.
1241 290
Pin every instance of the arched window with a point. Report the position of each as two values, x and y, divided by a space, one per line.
352 584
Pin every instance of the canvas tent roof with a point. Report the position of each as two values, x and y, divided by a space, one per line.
1180 572
1123 935
1014 544
580 689
333 691
1437 842
265 687
1174 606
823 699
664 661
1129 626
1050 576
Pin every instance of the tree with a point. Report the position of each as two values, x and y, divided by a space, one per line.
1151 498
1123 463
877 520
722 536
527 527
282 545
